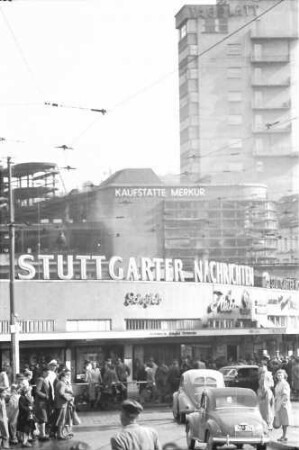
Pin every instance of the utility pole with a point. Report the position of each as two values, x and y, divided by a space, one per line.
14 326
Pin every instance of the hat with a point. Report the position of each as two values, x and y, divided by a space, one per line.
131 407
53 362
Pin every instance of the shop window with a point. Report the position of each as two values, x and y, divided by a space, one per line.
165 325
88 325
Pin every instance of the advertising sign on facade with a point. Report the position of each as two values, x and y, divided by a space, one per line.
133 269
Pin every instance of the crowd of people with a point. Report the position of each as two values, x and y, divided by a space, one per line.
106 384
36 405
158 381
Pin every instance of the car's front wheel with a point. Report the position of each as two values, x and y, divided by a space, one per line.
189 438
210 443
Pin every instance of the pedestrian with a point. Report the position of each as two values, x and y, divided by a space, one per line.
72 417
63 396
52 377
198 364
295 377
123 372
52 380
26 420
151 388
42 394
110 384
173 377
93 378
133 436
186 364
161 381
141 376
13 413
265 396
282 404
4 433
4 380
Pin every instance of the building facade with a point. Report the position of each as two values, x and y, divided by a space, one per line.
134 212
238 85
76 320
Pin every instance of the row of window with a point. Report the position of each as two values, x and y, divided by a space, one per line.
47 326
29 326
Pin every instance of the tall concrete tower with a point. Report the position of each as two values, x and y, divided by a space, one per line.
239 93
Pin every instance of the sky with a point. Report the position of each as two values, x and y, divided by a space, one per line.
120 55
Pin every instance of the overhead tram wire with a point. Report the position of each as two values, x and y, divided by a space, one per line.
61 105
161 79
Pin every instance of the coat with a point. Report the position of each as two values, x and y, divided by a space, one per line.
26 419
63 395
282 404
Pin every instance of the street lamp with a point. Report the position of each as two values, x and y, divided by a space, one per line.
15 354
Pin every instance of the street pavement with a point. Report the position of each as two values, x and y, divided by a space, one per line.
97 427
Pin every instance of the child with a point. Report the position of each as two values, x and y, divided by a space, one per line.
4 434
26 419
13 412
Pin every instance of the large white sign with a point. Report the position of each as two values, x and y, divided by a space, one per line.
133 269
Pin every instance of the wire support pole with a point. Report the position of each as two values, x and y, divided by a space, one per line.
14 351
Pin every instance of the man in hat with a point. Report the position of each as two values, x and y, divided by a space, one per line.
133 436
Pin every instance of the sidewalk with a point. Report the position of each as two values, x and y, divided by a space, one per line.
293 439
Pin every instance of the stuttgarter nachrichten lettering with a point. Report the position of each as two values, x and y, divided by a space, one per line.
133 269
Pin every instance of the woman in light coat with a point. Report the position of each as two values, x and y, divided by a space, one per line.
265 396
282 404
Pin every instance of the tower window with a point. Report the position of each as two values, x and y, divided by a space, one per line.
235 119
183 31
234 72
233 49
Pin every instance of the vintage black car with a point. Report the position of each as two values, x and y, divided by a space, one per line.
245 376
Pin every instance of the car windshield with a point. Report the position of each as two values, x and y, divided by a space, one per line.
228 372
204 381
235 401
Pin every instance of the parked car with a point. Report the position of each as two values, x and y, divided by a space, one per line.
228 416
245 376
192 383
